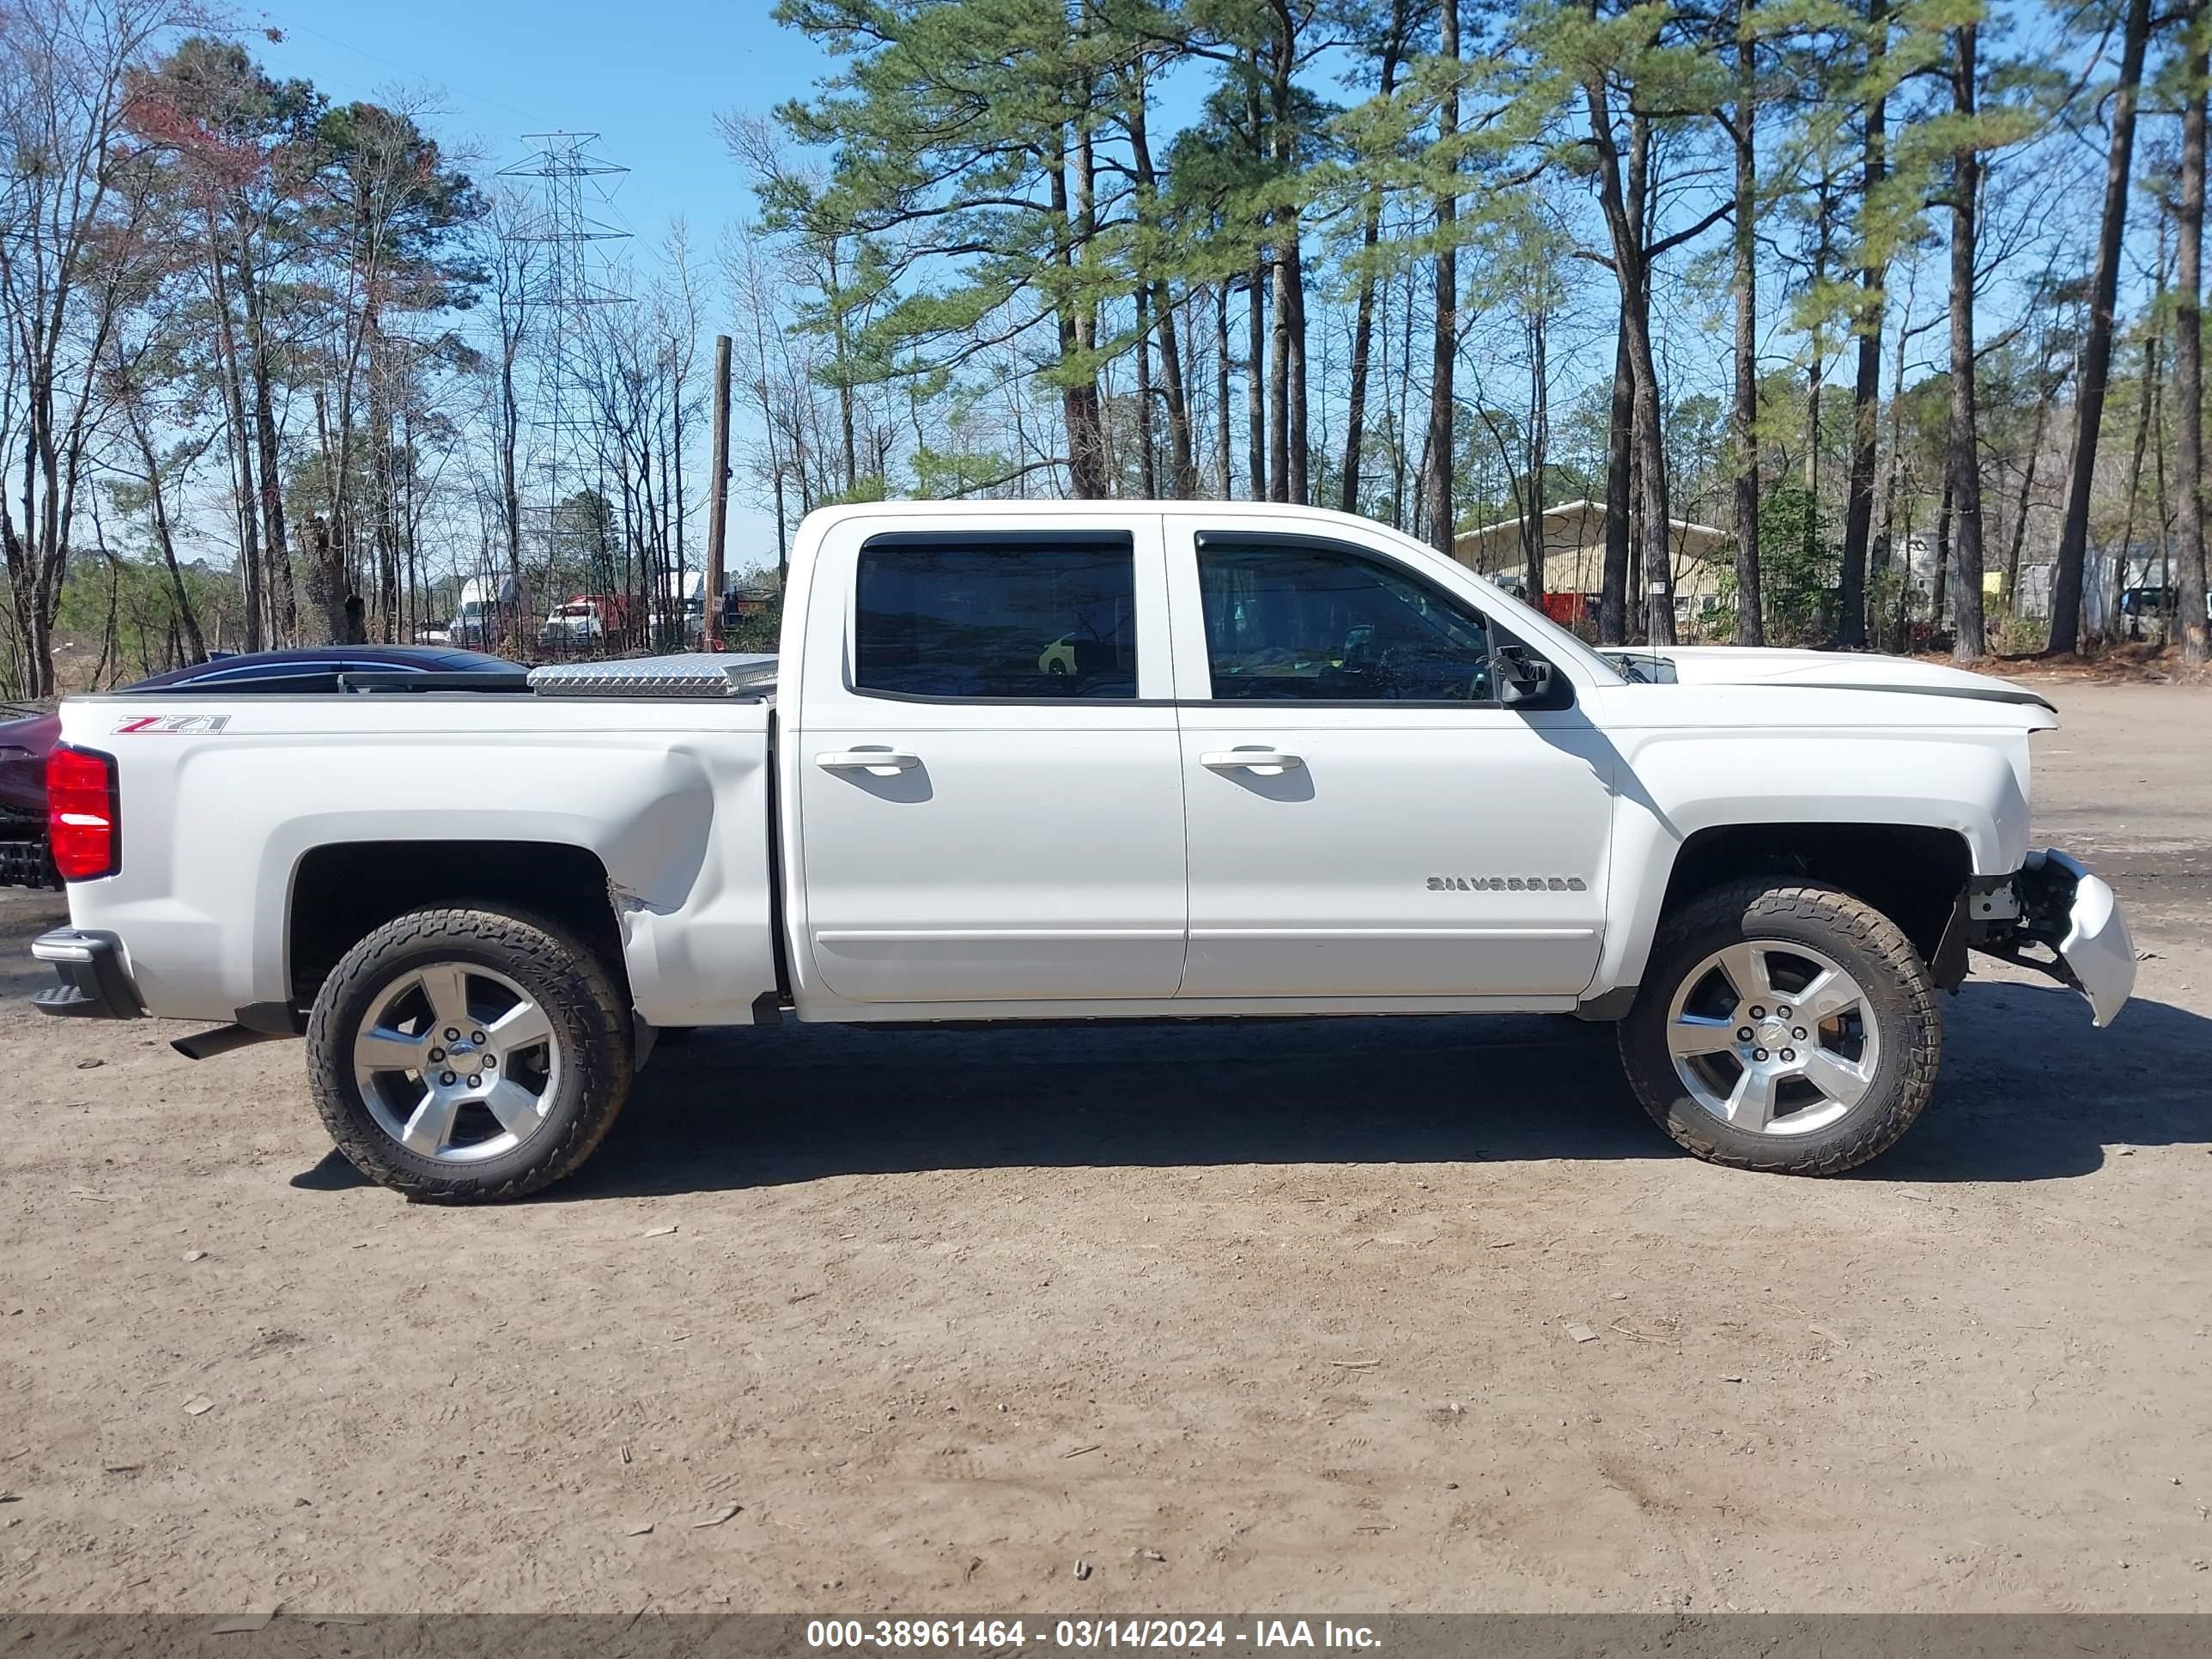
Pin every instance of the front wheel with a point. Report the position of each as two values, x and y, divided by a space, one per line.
1784 1026
460 1055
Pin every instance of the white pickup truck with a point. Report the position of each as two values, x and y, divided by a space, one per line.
1122 761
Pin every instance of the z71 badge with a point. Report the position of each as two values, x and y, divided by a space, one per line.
1507 884
171 726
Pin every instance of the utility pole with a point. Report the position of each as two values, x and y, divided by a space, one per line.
718 499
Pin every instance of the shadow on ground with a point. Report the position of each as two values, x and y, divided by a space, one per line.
26 913
2030 1092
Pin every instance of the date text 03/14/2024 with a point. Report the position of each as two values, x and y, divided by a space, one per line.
1083 1634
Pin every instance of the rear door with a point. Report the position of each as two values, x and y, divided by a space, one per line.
986 764
1365 818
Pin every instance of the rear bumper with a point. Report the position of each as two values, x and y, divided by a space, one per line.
95 983
2095 946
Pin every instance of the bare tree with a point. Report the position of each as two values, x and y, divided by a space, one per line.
74 210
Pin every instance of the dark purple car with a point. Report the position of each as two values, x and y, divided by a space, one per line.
26 742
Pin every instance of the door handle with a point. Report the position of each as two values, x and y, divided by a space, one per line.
1268 762
880 762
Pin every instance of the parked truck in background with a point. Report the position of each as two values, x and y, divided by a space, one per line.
584 622
493 614
1076 761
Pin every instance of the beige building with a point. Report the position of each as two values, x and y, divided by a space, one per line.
1574 559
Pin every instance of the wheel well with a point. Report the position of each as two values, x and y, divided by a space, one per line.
342 894
1912 873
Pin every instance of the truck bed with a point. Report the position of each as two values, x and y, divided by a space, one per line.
228 795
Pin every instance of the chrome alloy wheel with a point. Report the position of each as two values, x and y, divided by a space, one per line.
1773 1038
457 1063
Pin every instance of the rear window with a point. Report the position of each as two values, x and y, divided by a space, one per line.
1030 621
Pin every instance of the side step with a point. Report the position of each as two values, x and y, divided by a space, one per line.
222 1039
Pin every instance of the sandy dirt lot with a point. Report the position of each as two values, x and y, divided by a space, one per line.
1244 1318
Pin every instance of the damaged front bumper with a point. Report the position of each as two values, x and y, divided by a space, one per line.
2053 904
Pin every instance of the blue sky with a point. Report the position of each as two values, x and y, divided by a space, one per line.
648 77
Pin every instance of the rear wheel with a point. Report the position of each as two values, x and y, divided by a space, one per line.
1782 1026
460 1055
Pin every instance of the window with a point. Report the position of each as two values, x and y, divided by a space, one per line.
1287 623
964 619
281 677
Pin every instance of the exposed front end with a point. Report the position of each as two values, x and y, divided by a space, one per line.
2054 916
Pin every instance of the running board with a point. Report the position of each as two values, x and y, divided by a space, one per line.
222 1039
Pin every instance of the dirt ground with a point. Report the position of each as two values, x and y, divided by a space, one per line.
1263 1317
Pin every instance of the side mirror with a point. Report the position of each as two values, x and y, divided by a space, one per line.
1521 677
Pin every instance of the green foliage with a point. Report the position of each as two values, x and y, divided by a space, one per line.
1798 565
117 619
868 487
1798 568
947 474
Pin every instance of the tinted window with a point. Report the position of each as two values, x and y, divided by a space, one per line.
1288 624
1031 621
273 676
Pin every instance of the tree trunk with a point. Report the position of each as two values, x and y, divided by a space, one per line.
1078 396
1885 548
283 606
2149 401
1174 391
186 619
1937 587
333 591
1437 485
1969 643
1290 272
510 489
1657 604
1612 588
1623 200
1222 448
1866 386
1816 370
2049 391
1750 618
242 441
1278 376
2097 347
1256 381
1654 596
833 265
1540 443
1182 469
1147 469
1292 453
1363 334
383 529
2189 350
330 582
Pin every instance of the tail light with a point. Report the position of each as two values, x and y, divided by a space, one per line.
84 820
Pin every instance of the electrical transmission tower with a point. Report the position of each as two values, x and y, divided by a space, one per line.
573 188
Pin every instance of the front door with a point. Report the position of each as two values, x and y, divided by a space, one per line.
989 783
1365 819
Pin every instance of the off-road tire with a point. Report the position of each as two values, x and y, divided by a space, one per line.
592 1024
1868 945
